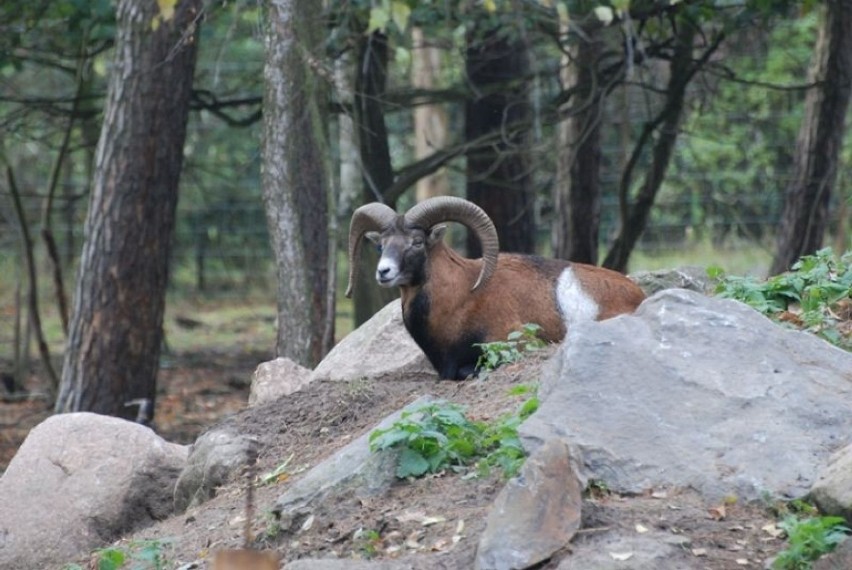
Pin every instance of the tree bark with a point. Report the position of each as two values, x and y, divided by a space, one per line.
430 120
498 176
820 140
295 178
113 349
576 195
376 167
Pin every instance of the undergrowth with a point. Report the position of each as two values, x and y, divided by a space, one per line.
517 345
440 436
814 296
808 539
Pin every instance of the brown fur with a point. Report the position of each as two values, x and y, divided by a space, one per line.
521 291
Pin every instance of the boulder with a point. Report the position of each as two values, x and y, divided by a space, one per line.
832 491
694 391
691 278
213 460
80 481
840 559
275 379
535 515
381 348
354 469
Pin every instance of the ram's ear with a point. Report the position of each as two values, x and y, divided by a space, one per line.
436 234
374 237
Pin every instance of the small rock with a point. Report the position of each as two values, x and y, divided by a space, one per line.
275 379
380 348
535 515
214 458
832 491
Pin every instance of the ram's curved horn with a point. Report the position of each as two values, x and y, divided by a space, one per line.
368 218
434 211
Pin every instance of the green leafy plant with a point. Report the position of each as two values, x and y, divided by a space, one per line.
810 295
517 345
808 539
439 436
145 554
368 542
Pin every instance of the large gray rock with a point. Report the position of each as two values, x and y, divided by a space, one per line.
690 277
840 559
275 379
832 491
214 459
78 482
380 348
693 391
353 468
535 515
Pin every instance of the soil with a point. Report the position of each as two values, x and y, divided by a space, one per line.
442 515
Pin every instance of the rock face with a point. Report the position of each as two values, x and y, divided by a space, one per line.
535 515
81 480
832 491
276 378
213 459
700 392
380 348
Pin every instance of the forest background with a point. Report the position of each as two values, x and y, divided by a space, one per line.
237 137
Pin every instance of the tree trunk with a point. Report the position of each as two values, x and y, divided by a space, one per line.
113 349
498 176
576 196
808 194
430 121
295 179
634 217
376 168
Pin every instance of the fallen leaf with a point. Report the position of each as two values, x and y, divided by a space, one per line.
718 513
772 530
660 495
621 556
441 545
411 516
699 552
742 561
309 522
413 539
460 526
429 521
641 529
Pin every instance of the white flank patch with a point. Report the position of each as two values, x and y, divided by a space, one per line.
576 305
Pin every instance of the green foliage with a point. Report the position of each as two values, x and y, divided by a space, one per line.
439 436
808 539
808 295
517 345
143 554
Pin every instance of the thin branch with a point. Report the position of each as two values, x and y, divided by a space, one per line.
35 317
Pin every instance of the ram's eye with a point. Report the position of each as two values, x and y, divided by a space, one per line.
379 247
418 242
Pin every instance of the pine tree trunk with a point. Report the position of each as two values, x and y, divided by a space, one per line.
113 349
808 194
430 121
498 176
295 179
576 196
376 168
